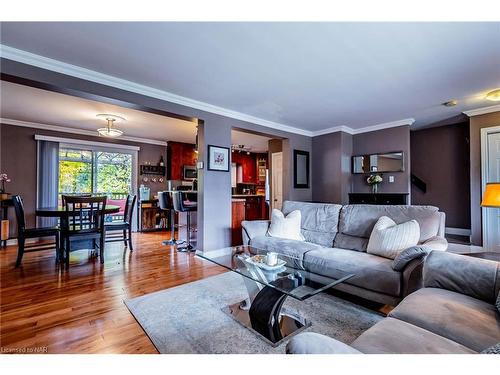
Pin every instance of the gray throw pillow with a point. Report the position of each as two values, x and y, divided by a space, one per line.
495 349
407 255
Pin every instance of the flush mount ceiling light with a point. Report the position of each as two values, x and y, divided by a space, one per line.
494 95
110 130
450 103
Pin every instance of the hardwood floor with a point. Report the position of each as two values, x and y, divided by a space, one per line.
81 310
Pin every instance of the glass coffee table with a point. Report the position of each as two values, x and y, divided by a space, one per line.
262 311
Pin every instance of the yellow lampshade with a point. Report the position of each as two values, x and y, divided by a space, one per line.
491 196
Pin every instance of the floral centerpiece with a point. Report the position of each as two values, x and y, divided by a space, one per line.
374 180
3 179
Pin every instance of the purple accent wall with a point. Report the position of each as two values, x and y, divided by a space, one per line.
18 160
440 157
379 141
476 124
331 167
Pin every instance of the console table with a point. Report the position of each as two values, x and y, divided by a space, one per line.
4 206
378 198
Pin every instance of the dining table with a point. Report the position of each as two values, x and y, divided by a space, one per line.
61 213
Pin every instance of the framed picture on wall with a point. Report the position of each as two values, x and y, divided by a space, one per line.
218 158
300 169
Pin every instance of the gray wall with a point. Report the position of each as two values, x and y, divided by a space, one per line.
440 157
18 159
386 140
331 167
214 215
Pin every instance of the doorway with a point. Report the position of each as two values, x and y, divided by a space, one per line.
490 168
277 180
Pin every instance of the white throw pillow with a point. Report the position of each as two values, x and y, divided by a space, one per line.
388 239
286 227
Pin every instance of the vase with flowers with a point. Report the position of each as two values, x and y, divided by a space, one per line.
374 180
3 179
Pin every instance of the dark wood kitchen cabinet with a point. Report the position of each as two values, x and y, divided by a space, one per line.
254 208
238 215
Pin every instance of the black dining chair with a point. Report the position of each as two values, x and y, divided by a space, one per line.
24 233
125 226
83 221
63 197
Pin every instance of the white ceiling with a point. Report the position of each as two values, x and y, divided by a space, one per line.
31 105
311 76
256 143
23 103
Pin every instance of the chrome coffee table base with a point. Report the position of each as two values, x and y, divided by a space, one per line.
266 318
289 324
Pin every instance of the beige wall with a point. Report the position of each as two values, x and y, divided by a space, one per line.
476 124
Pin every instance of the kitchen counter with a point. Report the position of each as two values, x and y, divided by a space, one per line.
247 195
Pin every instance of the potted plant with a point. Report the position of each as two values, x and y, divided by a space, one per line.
374 180
3 179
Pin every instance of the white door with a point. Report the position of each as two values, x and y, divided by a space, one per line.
491 235
277 177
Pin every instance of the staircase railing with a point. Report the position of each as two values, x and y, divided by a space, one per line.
421 185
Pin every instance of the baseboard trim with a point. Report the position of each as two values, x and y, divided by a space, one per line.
458 231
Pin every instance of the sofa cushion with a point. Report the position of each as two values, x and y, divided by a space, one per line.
371 272
314 343
475 277
388 239
292 248
358 221
393 336
458 317
319 220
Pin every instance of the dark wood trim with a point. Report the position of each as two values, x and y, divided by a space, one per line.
296 153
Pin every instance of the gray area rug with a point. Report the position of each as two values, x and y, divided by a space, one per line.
189 318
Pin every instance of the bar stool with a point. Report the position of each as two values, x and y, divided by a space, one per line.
165 202
182 203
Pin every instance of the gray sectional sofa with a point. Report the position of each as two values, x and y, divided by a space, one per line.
336 240
455 312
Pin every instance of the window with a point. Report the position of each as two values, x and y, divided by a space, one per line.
94 171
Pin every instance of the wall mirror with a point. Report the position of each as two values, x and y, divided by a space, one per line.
300 169
386 162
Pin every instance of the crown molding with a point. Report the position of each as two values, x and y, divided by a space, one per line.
366 129
342 128
62 129
385 125
482 111
29 58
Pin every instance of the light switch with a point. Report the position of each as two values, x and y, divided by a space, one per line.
199 165
391 179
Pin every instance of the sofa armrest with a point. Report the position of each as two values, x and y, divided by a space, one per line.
477 278
406 256
253 229
314 343
412 276
436 243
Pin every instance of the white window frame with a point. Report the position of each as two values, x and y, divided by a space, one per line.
103 147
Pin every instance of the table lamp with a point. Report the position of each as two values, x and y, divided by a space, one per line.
491 196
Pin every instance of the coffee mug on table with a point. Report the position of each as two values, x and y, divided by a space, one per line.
271 259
